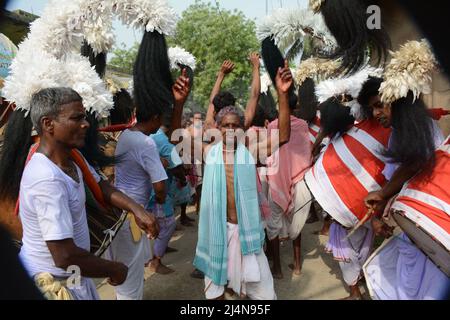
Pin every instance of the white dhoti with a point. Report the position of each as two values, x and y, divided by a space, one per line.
248 275
86 291
290 225
351 252
134 255
398 270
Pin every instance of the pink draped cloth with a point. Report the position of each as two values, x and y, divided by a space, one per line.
293 160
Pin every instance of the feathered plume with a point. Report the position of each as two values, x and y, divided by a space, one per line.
178 56
315 5
265 83
316 69
350 85
409 70
81 77
288 26
150 15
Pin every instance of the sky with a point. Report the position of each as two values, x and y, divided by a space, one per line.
253 9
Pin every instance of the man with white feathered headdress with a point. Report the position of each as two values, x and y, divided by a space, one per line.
348 167
399 270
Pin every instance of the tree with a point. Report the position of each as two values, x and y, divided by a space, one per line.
213 35
123 58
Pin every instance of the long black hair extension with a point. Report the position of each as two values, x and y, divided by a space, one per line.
123 108
266 110
16 144
413 140
91 150
152 77
307 101
347 21
334 117
97 60
273 59
369 89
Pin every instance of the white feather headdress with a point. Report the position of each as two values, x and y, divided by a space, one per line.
266 82
178 55
409 70
351 85
150 15
49 56
286 26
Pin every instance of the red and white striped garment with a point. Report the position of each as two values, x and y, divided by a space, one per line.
314 128
426 200
350 167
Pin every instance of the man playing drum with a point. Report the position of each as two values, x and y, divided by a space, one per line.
350 166
52 203
400 270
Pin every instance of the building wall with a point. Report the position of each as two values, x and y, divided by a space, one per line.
401 29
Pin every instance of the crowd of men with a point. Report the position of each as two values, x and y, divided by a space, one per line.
256 175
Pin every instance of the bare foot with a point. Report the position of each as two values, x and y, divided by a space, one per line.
158 267
197 274
295 271
276 274
355 294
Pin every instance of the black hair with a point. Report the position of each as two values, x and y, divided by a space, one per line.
307 101
96 60
152 78
369 89
91 150
166 119
412 141
273 59
334 117
266 110
123 107
16 144
347 22
223 99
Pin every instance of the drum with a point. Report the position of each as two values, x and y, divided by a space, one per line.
422 210
103 224
425 241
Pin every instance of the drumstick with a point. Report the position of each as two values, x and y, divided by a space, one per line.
367 217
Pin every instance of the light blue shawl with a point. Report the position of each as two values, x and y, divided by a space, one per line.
212 255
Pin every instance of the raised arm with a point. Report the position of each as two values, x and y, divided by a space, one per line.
226 68
283 83
180 90
252 103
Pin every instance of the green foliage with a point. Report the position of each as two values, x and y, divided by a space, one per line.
123 59
213 35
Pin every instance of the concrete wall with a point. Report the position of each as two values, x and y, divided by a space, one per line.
401 29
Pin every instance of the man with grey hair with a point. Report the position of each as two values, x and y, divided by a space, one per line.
52 203
231 236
